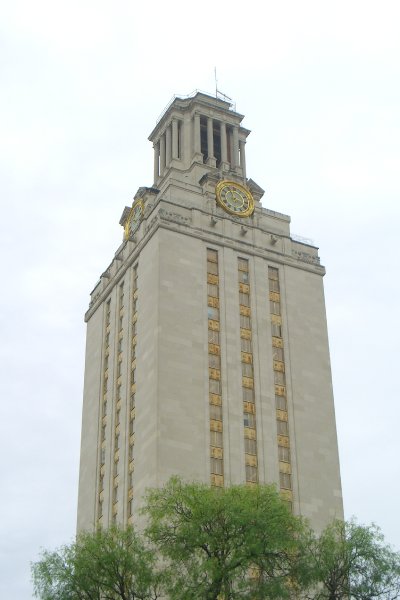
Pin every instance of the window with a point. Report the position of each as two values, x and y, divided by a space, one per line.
243 277
247 369
216 439
277 353
243 264
215 386
248 395
213 336
276 330
282 428
285 481
244 299
212 290
216 412
245 345
212 268
273 285
250 446
279 378
213 313
275 307
280 402
216 466
284 454
249 420
251 473
214 361
245 322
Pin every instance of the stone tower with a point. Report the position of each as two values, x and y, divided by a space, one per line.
207 351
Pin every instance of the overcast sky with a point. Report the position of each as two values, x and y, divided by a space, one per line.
82 84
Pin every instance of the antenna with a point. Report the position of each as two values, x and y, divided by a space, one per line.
216 82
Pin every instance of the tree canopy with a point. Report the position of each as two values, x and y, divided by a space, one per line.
109 564
234 542
221 544
352 561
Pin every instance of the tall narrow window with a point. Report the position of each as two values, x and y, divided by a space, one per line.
246 356
214 370
278 366
103 409
118 401
132 393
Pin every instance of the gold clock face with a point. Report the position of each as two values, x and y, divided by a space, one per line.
234 198
133 221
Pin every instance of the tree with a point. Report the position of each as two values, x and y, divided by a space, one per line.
221 544
234 542
351 561
106 565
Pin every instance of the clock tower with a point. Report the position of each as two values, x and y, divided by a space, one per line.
207 351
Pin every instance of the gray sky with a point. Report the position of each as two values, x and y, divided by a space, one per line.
82 84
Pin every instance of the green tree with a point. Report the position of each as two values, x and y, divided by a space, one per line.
352 561
234 542
106 565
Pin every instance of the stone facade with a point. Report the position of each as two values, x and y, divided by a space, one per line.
146 408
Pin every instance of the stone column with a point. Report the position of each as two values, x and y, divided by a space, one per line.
156 161
235 144
224 148
242 144
196 137
174 139
210 143
162 154
168 145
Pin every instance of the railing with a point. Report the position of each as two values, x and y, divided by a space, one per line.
185 97
302 240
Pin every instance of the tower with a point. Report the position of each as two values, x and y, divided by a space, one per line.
207 351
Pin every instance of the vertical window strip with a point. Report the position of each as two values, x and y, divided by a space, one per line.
214 371
117 403
278 357
132 392
246 354
104 392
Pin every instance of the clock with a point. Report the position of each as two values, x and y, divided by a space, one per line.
134 218
234 198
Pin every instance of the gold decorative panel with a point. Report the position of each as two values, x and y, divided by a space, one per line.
251 460
215 425
250 433
283 440
216 452
281 415
249 407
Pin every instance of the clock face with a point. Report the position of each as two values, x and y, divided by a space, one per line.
133 221
234 198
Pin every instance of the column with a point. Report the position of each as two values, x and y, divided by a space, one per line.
196 136
156 161
168 145
210 143
235 157
162 154
224 148
242 144
174 139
